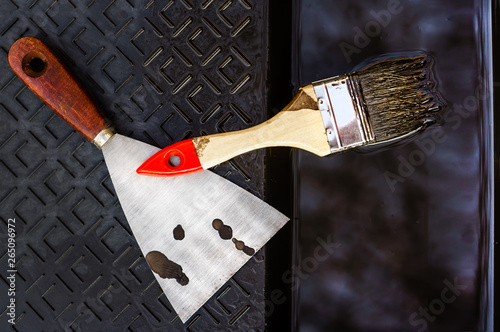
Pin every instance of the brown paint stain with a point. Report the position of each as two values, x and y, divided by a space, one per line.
240 245
200 143
225 232
179 233
305 99
165 268
249 251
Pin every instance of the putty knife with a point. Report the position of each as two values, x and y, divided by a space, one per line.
195 231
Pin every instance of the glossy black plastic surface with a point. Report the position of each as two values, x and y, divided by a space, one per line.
400 238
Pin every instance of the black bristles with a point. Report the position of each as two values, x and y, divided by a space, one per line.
398 95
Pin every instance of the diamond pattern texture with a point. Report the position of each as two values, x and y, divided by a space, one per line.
161 71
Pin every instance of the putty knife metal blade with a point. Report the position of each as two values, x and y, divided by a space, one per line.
222 224
155 206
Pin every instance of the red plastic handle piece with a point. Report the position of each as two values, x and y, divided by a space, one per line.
176 159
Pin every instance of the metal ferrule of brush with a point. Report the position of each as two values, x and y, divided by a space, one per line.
344 113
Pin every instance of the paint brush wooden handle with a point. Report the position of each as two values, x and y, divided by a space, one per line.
298 125
43 72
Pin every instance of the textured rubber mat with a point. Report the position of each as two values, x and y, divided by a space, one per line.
162 71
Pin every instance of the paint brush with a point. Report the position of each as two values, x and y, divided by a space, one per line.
382 102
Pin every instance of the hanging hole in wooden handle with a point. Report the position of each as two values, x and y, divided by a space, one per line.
34 64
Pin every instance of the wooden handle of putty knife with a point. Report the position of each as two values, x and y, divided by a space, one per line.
298 125
44 73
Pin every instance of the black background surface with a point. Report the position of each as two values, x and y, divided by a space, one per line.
162 71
